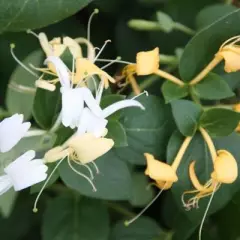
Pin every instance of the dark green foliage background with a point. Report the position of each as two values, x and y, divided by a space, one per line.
69 209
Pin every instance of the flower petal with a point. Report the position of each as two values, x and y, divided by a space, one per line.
120 105
5 184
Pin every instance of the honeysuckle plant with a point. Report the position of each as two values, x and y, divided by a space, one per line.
131 138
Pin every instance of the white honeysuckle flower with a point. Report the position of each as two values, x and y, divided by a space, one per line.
22 173
12 129
90 122
73 99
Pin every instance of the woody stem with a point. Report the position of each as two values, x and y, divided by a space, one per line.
217 59
180 153
209 142
169 77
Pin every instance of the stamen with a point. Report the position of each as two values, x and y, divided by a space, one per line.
43 70
82 175
110 60
99 92
86 166
29 31
12 46
96 11
96 167
127 223
144 92
229 40
205 214
102 48
110 63
35 210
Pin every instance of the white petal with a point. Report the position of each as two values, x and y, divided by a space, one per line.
25 172
62 70
72 106
5 184
11 131
120 105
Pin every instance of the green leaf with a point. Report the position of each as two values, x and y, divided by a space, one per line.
213 87
173 91
74 217
112 183
219 122
22 15
110 99
21 88
46 107
117 133
165 21
147 131
210 14
186 115
7 202
142 193
198 151
203 46
142 229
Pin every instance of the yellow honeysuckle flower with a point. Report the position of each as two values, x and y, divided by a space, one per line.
230 52
161 172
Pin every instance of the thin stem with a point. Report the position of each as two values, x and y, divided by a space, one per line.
169 77
57 124
37 132
209 142
183 28
181 152
96 167
96 11
134 84
217 59
168 59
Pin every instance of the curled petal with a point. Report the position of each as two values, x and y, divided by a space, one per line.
159 171
61 69
147 62
73 46
12 129
120 105
225 168
45 44
194 178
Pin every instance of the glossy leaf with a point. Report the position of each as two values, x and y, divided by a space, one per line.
75 217
146 130
21 88
219 122
22 15
117 133
173 91
186 115
203 46
213 87
112 183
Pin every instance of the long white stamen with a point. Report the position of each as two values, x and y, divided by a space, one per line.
12 46
96 11
110 63
87 167
95 84
45 184
110 60
96 167
29 31
144 92
127 223
82 175
101 50
206 211
99 92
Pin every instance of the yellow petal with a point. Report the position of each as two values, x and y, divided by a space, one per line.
88 148
194 178
236 107
159 171
55 154
231 55
85 68
73 46
164 185
225 167
57 46
147 62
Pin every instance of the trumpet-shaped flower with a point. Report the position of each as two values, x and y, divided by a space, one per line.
23 173
230 52
12 129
